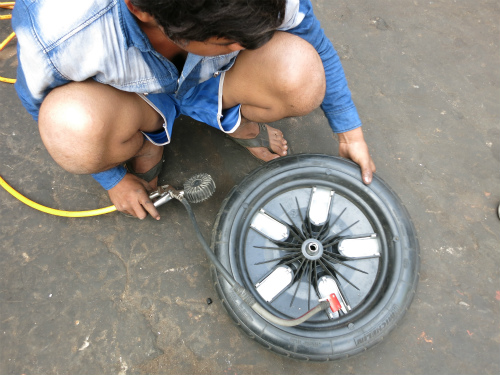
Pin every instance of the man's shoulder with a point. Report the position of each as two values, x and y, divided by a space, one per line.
56 19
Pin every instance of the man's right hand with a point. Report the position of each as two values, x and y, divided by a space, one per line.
131 196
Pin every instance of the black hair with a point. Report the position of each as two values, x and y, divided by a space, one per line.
251 23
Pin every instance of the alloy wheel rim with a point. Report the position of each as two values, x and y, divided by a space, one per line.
360 281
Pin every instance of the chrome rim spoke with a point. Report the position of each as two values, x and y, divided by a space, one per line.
330 227
288 226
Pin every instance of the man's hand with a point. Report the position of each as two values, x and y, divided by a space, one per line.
131 196
352 146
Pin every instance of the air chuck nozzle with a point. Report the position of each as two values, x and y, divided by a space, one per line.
199 188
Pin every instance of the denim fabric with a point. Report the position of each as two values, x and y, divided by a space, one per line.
60 41
108 179
337 104
202 102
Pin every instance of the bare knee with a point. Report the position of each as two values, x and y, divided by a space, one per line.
70 131
283 78
300 78
88 127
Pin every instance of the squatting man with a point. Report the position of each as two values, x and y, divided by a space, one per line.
106 79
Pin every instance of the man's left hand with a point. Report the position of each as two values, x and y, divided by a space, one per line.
352 146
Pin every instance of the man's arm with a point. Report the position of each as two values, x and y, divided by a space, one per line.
337 104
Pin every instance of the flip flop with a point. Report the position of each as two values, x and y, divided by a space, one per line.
149 175
261 140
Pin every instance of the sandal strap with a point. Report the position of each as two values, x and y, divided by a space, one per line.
261 140
149 175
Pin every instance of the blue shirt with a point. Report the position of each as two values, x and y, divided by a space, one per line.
60 41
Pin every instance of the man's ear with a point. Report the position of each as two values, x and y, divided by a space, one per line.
235 47
142 16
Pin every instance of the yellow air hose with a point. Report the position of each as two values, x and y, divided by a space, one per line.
36 206
8 5
53 211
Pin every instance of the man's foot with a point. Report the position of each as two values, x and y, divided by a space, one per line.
147 161
263 141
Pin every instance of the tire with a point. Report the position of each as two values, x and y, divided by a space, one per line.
385 283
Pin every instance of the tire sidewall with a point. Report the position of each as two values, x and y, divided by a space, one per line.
359 332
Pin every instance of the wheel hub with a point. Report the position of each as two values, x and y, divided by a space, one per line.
312 249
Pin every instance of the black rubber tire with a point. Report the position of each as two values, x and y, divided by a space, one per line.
393 289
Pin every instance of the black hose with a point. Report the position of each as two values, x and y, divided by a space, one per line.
229 278
323 305
240 290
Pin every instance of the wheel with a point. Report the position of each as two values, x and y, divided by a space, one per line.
303 227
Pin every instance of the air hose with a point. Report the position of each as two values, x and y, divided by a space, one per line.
7 5
53 211
197 189
240 290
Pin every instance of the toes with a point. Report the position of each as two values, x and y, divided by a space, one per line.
263 153
277 141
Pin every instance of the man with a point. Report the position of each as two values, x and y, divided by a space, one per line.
105 79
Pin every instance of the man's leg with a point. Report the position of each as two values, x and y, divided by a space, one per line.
284 78
89 127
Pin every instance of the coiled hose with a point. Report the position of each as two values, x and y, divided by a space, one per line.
7 5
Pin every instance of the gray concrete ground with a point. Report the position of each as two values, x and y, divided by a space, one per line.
114 295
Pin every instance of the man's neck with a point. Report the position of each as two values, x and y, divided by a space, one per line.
163 44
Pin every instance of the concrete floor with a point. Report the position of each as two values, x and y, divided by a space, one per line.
114 295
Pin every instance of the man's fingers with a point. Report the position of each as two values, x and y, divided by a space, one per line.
367 170
151 209
352 145
138 211
367 175
145 206
131 197
358 152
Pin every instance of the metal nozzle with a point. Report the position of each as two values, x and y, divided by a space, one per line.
198 188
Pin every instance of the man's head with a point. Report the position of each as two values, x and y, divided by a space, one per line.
250 23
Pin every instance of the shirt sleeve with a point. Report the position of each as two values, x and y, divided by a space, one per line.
337 105
108 179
